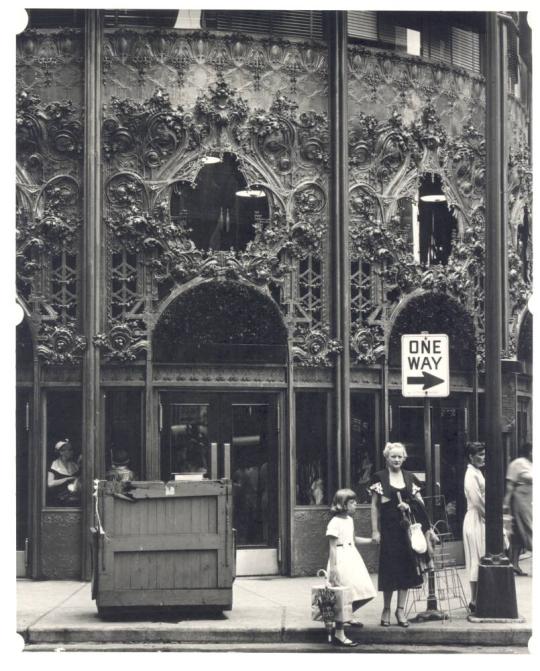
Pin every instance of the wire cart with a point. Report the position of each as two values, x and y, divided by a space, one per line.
441 590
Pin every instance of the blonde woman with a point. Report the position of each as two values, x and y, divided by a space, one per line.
394 491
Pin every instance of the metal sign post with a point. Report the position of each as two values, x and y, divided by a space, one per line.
425 373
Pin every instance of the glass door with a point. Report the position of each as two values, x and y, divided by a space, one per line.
232 436
254 473
448 437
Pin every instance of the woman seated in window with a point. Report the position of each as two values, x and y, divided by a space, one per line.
63 484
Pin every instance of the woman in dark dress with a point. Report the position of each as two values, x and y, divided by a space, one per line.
395 491
63 477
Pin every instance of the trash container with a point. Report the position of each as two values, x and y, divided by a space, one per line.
163 545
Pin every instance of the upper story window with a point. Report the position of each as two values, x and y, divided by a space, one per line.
388 29
301 24
431 221
438 37
220 210
436 225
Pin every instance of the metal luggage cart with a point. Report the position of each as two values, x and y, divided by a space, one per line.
441 590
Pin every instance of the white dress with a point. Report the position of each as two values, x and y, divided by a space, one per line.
350 567
474 529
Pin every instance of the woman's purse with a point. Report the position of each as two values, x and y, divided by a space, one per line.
417 538
414 531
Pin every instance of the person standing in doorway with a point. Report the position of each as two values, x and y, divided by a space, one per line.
396 491
518 502
474 527
63 484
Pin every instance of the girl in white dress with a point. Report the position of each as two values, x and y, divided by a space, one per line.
474 534
345 565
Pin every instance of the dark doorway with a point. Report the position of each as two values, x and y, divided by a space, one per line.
231 436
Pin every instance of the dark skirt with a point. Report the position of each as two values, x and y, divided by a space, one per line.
398 565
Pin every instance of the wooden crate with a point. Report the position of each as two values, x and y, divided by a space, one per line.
172 546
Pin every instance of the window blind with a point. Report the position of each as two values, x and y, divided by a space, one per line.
302 23
362 25
466 49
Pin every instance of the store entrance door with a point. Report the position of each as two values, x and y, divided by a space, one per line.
233 436
448 438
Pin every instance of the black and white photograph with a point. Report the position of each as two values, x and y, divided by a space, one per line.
273 331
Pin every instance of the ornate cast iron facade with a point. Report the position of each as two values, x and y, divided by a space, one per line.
262 101
265 101
49 197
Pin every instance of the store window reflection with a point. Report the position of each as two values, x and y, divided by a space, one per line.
123 431
188 439
311 449
254 475
220 211
362 444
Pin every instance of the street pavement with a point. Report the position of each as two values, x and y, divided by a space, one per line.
268 614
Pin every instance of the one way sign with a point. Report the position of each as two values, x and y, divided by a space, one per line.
425 369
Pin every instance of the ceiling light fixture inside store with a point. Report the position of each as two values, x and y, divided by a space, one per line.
210 160
250 193
433 198
431 189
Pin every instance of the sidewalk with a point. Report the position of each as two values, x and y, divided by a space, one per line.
272 610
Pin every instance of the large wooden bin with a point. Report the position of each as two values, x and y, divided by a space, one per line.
171 546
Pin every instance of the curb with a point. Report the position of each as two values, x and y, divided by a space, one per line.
500 635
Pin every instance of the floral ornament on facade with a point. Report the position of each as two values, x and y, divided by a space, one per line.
153 128
57 228
125 341
367 344
520 170
41 128
276 130
221 106
428 133
60 344
314 347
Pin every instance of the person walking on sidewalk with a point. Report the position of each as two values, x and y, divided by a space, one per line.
346 567
394 491
518 502
474 528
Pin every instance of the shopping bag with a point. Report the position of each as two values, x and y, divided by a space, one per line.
329 603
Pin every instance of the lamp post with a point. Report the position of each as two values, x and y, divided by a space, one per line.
496 596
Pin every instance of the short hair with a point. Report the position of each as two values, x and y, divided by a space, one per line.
473 448
340 500
526 450
392 446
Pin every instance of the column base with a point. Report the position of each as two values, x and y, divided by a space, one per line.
496 593
430 615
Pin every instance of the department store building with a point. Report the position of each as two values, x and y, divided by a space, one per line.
225 222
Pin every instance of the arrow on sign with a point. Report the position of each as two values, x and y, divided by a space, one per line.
427 379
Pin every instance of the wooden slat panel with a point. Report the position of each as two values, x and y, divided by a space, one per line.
169 543
149 543
184 488
166 597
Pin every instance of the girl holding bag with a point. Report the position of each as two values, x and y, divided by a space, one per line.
345 565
